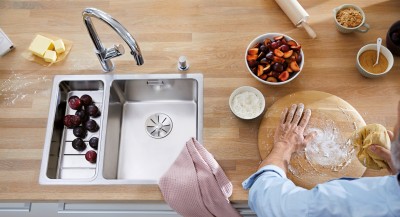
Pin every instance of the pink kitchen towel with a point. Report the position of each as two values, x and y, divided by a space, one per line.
196 186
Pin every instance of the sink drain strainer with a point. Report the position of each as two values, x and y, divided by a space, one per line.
158 125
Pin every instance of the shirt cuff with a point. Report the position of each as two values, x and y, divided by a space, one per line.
270 169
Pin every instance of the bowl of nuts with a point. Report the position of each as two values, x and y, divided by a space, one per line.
350 18
274 58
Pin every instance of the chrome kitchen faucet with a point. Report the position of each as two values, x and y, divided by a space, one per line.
106 54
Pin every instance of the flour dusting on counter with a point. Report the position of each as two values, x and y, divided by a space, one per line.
19 86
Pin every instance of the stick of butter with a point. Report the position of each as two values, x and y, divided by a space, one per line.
50 56
59 46
40 45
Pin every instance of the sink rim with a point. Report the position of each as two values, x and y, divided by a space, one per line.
107 80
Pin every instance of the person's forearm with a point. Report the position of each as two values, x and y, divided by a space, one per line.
279 156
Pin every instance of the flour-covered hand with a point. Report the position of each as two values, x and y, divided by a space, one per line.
290 132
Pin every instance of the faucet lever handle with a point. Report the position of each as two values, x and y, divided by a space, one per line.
116 51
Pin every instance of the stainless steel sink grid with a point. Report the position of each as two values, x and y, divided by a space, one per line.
158 125
72 163
128 153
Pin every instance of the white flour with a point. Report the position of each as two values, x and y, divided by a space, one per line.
247 104
328 149
19 87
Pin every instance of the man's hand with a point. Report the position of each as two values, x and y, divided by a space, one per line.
385 154
289 136
289 133
392 157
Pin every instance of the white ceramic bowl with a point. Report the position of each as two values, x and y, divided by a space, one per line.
260 39
244 99
363 27
384 51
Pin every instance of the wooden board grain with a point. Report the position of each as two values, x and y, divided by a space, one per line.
325 158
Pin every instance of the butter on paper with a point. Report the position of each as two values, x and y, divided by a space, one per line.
33 58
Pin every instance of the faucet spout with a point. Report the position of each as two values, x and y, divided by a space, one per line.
106 54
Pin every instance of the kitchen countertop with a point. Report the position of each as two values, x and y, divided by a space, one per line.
213 35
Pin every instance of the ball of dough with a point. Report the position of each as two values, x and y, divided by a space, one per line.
369 135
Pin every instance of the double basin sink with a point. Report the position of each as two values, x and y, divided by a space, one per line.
144 122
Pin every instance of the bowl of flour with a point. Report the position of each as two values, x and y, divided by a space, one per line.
247 102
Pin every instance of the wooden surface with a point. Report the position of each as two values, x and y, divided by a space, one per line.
331 155
213 35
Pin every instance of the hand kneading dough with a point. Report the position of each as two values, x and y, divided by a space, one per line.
366 136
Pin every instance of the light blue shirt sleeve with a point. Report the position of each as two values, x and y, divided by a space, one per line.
273 194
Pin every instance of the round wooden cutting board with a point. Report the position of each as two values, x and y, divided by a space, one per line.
331 154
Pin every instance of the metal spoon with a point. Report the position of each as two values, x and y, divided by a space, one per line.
378 50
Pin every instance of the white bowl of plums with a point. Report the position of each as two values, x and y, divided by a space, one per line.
274 58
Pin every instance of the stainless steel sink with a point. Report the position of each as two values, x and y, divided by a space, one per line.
144 124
